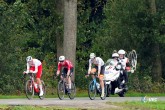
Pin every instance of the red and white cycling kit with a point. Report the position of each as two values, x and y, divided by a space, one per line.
66 64
36 66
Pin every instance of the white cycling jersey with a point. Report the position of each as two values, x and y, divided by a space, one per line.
34 63
97 61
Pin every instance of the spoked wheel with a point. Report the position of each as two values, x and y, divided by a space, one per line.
133 59
73 91
44 90
61 90
105 92
92 90
29 89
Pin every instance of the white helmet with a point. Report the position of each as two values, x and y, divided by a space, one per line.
29 58
61 58
121 52
92 55
115 55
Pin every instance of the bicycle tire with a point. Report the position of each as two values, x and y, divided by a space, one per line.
92 90
44 90
132 56
105 92
73 91
134 59
61 90
29 89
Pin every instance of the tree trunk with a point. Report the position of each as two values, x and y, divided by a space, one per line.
70 30
59 37
157 65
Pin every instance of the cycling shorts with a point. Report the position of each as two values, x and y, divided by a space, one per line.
102 69
65 70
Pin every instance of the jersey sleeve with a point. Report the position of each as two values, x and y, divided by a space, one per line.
90 64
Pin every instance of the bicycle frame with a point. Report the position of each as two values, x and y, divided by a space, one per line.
33 82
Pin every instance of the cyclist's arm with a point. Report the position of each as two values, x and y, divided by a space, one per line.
89 69
27 68
58 70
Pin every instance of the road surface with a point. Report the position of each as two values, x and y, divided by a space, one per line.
78 102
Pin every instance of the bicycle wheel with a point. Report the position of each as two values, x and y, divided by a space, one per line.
134 59
29 89
73 91
132 56
105 92
61 90
44 90
92 90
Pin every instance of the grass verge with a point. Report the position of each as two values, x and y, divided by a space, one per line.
160 105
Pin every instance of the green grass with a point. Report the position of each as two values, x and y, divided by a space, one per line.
2 107
160 105
84 93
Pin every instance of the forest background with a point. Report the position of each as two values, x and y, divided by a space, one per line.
36 28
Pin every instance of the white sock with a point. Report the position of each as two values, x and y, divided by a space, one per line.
69 86
40 86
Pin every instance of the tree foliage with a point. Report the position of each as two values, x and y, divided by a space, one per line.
30 27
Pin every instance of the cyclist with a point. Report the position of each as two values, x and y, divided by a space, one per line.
35 66
99 67
67 70
125 64
115 56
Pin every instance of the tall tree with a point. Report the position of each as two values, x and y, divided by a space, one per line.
70 30
59 37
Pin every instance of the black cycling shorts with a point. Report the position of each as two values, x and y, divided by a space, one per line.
102 69
65 70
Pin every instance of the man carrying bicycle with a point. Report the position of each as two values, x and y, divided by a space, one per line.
35 66
125 64
99 67
67 70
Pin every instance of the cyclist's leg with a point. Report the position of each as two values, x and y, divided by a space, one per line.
38 78
69 78
93 71
101 80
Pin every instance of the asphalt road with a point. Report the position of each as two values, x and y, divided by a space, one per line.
77 102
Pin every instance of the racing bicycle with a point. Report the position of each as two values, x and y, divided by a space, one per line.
132 56
32 88
63 88
94 88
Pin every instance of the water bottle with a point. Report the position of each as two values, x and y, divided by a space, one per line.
97 85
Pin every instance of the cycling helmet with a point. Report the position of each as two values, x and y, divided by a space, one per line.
115 55
61 58
92 55
121 51
29 58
